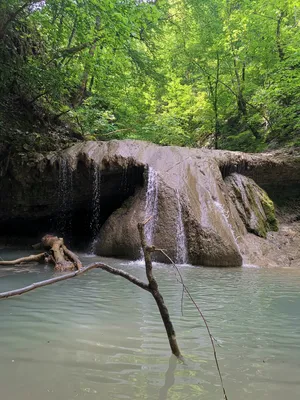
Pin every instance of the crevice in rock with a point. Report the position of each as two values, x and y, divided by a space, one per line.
240 167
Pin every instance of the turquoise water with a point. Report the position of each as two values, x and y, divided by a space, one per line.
100 337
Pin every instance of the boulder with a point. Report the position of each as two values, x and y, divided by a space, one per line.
201 202
253 204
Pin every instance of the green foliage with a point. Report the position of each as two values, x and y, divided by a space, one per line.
243 141
188 72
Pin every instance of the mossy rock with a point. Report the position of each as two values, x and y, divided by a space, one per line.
255 207
269 209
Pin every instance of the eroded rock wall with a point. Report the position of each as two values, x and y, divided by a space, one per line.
190 186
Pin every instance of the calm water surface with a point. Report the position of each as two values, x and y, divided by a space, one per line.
100 337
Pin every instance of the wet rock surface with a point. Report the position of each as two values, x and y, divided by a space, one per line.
253 204
214 220
280 249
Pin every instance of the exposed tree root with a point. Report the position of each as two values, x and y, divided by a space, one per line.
63 257
56 253
64 260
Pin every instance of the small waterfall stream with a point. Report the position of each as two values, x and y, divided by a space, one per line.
65 198
151 204
96 197
124 182
225 218
203 199
181 247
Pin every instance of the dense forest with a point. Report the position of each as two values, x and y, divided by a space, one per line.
216 73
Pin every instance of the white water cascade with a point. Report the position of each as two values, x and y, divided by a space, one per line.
65 198
225 218
95 218
151 204
181 248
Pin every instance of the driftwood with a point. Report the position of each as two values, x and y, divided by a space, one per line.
32 258
65 259
152 286
56 253
59 278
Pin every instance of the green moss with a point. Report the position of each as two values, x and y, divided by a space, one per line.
269 222
257 213
268 206
261 229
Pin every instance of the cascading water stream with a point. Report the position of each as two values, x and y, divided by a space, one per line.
181 248
151 204
203 199
225 218
96 197
65 198
124 182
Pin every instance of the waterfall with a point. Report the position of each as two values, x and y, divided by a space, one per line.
151 204
124 188
181 248
203 199
95 218
225 218
65 198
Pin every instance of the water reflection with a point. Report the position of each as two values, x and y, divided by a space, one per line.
169 378
99 336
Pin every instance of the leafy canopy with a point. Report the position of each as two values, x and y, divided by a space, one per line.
219 73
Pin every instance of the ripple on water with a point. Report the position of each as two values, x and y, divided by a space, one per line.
98 335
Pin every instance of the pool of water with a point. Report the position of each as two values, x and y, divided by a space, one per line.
100 337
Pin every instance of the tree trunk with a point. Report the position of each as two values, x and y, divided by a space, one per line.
278 36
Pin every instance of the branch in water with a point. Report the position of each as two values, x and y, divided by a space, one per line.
114 271
37 257
185 288
153 286
50 241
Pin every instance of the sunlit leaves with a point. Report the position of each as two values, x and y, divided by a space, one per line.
185 72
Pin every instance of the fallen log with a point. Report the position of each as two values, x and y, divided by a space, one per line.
72 256
55 245
150 286
64 259
56 253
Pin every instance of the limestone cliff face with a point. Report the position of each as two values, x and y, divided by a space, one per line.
194 189
185 178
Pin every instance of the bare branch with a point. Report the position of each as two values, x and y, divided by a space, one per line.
203 318
147 255
153 286
57 250
36 257
124 275
114 271
72 256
